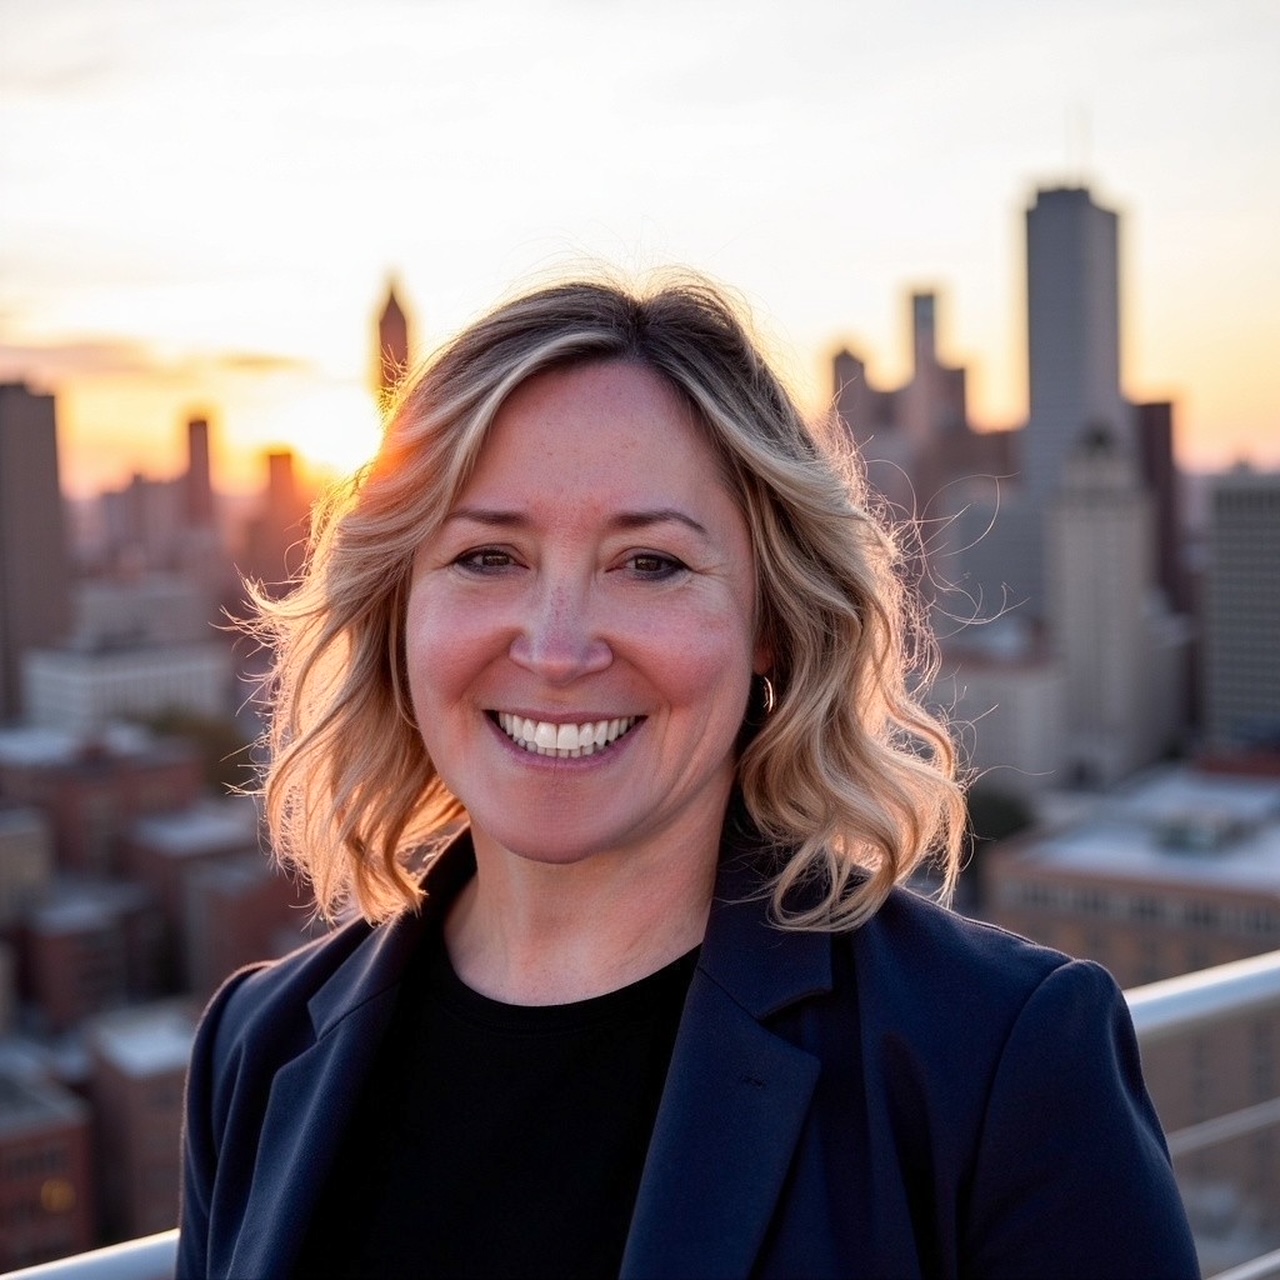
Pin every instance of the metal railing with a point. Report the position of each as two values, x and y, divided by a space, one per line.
1202 1002
150 1258
1161 1011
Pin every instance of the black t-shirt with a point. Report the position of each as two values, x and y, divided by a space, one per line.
495 1140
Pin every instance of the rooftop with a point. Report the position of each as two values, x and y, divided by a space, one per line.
1178 826
28 1104
209 827
148 1040
73 905
31 745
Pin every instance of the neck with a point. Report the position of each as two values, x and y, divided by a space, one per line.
536 933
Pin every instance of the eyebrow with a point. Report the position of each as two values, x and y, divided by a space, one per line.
623 521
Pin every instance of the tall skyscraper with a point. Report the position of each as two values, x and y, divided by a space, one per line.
276 537
393 345
1242 612
1073 333
35 568
199 486
1153 431
1073 375
933 404
1122 704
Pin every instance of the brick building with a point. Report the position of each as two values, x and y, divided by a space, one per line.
90 946
92 788
46 1173
164 852
240 910
139 1061
26 859
1176 872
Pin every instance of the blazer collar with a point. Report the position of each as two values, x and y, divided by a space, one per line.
377 964
760 966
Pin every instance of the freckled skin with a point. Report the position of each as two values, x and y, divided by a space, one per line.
594 566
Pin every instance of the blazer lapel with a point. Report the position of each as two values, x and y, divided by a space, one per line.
310 1102
737 1096
312 1096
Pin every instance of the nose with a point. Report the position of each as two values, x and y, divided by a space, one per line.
559 640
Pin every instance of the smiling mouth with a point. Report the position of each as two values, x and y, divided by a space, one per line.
564 741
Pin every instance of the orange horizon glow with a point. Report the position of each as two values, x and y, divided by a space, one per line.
114 425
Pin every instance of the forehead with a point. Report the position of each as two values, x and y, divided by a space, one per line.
607 425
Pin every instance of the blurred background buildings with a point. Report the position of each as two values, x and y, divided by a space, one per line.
1111 665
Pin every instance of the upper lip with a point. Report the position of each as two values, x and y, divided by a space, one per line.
565 717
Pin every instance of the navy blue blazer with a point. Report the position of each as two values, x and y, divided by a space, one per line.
923 1097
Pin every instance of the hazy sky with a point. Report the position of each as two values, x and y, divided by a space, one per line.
200 200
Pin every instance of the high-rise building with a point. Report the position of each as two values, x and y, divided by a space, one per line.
198 484
143 524
35 569
916 439
1073 375
1119 649
1073 332
1242 612
275 539
1153 427
393 345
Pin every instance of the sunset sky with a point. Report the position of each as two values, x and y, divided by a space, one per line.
201 200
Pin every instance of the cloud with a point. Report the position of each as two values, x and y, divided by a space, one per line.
259 362
69 358
99 358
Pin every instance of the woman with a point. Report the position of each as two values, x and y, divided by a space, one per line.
594 704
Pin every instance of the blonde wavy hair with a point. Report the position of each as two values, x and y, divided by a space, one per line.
851 778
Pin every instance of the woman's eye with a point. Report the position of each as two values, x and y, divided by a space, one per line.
485 560
649 564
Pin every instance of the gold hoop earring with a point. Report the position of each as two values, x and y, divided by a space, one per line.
770 701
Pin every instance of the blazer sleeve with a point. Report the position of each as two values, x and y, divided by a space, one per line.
201 1135
1072 1176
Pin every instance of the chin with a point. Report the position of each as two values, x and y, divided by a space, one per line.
557 843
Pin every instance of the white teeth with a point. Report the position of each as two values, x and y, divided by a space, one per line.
566 741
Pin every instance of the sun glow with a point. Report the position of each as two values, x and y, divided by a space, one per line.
334 427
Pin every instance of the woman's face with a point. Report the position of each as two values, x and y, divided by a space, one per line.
589 596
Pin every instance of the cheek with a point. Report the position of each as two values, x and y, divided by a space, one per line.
706 663
444 649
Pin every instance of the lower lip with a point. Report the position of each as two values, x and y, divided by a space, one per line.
594 760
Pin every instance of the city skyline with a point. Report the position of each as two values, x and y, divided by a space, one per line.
203 204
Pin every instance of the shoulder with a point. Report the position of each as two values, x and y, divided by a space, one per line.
279 1006
913 944
931 982
268 1003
